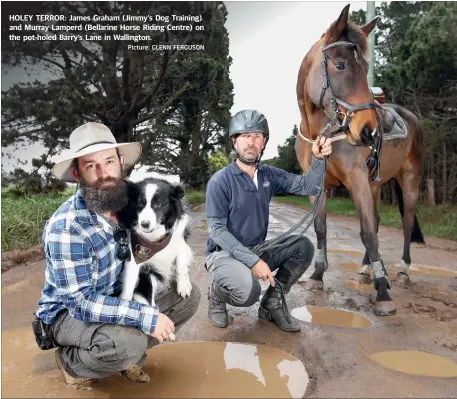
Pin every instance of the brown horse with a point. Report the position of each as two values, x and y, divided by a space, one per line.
333 92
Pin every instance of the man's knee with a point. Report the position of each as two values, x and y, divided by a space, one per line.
305 251
118 347
243 293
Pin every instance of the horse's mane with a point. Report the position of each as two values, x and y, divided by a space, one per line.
354 34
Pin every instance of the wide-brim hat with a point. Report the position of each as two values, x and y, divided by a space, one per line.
90 138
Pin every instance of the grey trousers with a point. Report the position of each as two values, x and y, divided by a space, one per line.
235 284
97 350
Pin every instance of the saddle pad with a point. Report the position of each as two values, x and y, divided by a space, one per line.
394 126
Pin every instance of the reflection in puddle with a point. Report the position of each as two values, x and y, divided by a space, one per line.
345 251
330 317
415 362
179 370
357 286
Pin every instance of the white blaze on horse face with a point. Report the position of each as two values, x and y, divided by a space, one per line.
147 218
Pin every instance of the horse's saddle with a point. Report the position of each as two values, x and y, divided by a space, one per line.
394 127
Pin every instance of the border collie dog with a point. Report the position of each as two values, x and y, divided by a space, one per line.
156 221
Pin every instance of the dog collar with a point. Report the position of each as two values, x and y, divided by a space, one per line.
144 250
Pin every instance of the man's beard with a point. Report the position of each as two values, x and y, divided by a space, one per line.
110 199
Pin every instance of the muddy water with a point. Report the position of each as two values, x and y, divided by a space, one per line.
330 317
414 269
436 271
358 286
415 362
357 266
178 370
345 252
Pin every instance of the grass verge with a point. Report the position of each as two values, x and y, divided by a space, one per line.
439 221
23 218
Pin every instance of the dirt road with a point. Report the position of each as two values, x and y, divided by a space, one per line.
337 359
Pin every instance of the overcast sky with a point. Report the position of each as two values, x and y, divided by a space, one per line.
268 41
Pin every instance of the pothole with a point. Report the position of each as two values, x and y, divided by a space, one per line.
416 362
358 286
330 317
177 370
345 251
436 271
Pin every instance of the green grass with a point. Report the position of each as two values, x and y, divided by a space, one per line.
195 197
439 221
23 218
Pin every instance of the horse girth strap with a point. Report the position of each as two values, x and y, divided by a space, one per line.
144 250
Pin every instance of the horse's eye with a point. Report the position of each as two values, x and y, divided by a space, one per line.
340 66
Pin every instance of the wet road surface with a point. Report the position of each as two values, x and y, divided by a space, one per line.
338 360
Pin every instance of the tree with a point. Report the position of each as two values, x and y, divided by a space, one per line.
287 159
104 80
416 65
197 121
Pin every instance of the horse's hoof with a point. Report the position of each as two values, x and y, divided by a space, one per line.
384 308
403 278
365 279
314 285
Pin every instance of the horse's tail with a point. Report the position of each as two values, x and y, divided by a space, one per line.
416 234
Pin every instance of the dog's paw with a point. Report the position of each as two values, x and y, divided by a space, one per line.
184 287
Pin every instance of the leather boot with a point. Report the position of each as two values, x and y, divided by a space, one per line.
273 306
217 310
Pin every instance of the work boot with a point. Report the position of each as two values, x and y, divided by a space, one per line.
135 374
217 310
82 384
273 306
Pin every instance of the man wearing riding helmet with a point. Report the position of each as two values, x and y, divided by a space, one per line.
237 209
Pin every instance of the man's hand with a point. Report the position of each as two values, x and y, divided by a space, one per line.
164 328
262 271
322 146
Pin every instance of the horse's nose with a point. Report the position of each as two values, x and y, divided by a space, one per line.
145 224
367 135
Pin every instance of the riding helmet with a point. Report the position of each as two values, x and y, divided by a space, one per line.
249 121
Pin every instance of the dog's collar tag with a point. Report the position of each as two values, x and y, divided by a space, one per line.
144 250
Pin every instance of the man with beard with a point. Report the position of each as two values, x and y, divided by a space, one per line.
237 209
80 312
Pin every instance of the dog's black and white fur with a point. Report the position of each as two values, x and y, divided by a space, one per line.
156 207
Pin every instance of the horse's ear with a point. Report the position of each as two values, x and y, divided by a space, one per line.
336 29
370 26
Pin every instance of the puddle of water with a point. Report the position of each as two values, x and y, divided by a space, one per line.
177 370
415 362
345 251
356 267
357 286
203 226
437 271
351 266
330 317
414 269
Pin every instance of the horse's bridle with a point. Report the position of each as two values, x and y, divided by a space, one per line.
343 127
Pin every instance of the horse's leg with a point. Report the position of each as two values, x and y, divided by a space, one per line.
316 282
409 183
366 263
363 199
